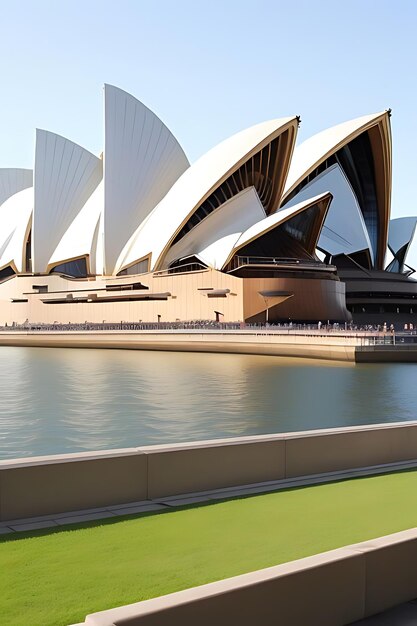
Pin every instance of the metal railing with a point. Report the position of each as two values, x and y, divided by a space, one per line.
366 335
240 261
181 269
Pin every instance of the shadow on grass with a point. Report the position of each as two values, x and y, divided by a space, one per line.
109 521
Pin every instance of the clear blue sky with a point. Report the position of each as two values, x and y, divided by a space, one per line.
209 69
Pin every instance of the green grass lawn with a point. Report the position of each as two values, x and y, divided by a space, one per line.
56 577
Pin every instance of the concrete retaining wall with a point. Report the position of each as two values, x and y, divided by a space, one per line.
330 347
57 484
71 482
332 588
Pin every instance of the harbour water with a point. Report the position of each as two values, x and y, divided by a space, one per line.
69 400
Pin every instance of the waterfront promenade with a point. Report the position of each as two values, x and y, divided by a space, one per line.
320 329
329 342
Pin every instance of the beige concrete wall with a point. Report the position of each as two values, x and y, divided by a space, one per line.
332 588
48 485
391 570
71 482
333 347
188 299
356 447
191 298
199 468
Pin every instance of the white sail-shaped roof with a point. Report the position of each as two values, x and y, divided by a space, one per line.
344 231
142 160
155 235
314 151
213 238
401 238
277 219
12 180
309 154
65 176
97 248
15 217
401 232
80 240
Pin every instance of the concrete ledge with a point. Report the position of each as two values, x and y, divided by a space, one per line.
333 588
330 347
72 482
335 451
64 484
391 570
170 502
178 471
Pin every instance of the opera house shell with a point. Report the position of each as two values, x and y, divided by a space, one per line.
255 229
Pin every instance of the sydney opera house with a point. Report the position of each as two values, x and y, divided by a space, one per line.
257 228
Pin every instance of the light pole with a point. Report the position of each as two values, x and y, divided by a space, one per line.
217 314
266 300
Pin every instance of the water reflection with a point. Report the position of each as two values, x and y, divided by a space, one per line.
74 400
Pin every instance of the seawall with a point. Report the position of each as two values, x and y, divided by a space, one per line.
359 348
336 347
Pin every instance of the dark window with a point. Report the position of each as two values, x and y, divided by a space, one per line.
28 253
76 268
142 267
301 226
186 264
6 272
287 241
